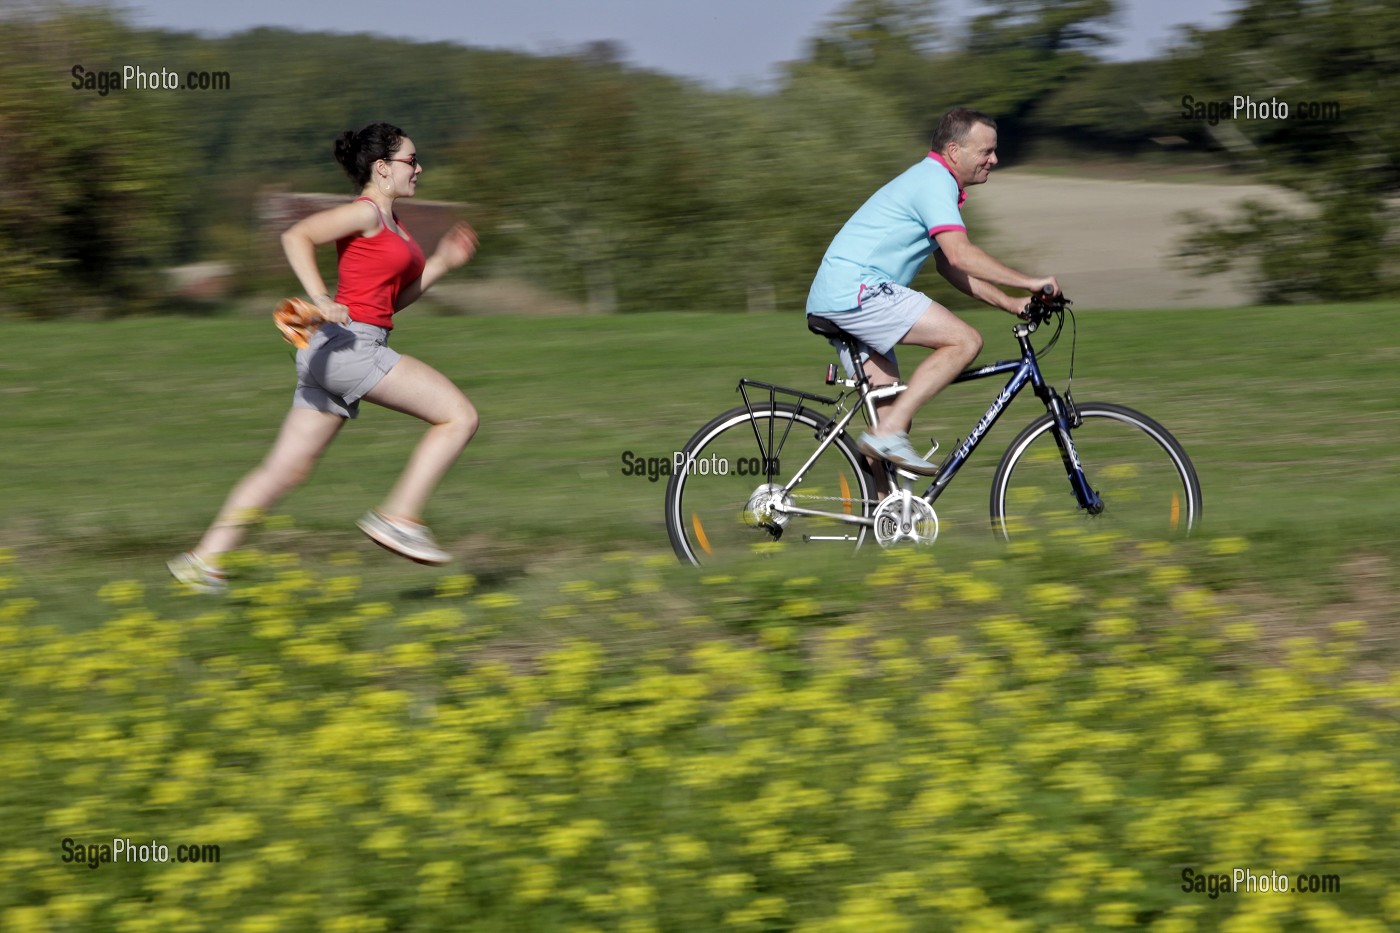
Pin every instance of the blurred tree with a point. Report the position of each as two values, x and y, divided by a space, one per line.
1013 56
633 190
646 193
92 177
627 189
801 162
864 33
1018 53
886 45
1115 107
1041 26
1333 64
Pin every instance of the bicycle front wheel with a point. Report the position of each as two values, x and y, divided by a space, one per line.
1143 476
725 499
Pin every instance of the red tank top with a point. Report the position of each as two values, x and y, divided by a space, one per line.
373 270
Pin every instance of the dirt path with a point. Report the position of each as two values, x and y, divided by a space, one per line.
1111 243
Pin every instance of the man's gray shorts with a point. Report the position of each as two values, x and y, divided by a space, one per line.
340 364
885 314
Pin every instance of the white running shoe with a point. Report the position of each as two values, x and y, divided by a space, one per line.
196 575
897 449
408 539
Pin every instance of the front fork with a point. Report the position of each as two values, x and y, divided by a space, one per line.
1066 417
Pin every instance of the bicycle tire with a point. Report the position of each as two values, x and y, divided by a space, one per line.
1141 472
707 516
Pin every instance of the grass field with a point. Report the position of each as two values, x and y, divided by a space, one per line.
121 440
570 731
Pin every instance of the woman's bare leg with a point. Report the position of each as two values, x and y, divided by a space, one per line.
304 437
415 388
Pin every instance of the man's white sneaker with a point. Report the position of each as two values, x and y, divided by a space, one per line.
408 539
897 449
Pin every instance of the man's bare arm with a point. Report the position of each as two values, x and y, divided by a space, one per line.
980 289
964 257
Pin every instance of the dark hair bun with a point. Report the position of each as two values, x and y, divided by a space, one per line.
345 147
356 152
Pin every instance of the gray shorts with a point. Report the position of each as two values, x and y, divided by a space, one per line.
342 363
885 314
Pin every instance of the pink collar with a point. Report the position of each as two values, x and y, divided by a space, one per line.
962 195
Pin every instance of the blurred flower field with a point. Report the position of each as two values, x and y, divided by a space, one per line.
779 757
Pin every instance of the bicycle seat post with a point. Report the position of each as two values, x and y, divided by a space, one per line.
863 385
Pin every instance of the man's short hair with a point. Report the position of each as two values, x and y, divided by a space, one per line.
955 126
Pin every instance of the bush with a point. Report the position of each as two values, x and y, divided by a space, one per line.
1056 764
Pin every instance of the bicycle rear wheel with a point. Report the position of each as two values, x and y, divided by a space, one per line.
1140 471
727 498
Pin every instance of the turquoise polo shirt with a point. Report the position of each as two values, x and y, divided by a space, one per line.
890 237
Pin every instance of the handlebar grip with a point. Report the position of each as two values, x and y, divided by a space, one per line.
1043 303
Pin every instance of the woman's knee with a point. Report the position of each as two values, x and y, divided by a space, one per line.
463 418
470 420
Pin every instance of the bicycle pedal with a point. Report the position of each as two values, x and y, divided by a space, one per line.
914 477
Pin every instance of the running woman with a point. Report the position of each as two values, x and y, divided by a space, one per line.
381 270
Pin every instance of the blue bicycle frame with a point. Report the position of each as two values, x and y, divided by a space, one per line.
1025 371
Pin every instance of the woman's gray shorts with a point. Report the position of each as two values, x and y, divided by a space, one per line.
885 314
340 364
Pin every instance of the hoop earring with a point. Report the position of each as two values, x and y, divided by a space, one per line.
387 189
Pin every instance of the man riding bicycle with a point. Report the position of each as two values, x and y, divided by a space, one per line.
863 281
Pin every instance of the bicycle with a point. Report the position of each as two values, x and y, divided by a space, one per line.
761 471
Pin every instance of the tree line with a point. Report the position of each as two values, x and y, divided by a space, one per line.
640 191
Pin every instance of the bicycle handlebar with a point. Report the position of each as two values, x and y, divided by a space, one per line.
1043 305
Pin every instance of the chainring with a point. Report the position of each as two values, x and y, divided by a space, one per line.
902 517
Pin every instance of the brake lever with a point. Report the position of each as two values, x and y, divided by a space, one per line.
1040 307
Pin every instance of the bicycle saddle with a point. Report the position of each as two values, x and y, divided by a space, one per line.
826 327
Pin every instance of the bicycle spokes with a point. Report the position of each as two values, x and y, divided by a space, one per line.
743 502
1138 483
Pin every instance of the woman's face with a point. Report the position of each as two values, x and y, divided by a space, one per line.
403 169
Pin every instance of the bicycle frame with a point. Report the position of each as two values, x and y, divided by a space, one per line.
868 396
1024 372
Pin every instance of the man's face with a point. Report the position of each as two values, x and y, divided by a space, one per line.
974 157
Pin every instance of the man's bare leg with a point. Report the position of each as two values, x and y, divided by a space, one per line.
955 344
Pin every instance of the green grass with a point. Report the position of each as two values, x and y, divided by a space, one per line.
123 438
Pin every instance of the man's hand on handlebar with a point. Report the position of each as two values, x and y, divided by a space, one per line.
1044 301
